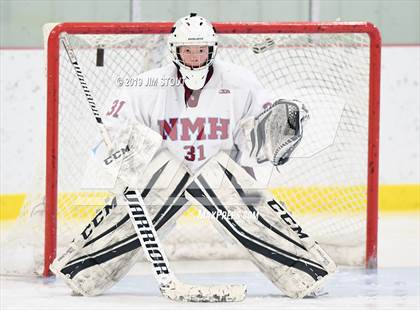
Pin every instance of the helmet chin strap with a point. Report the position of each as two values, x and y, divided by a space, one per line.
194 79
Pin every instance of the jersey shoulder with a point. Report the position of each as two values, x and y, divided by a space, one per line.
236 76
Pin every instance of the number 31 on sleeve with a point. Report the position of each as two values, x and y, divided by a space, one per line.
115 108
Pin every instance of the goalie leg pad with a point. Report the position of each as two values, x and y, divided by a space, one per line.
278 245
91 266
101 255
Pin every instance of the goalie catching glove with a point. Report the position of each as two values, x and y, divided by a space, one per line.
274 134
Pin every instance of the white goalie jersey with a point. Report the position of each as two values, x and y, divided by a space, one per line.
195 128
183 138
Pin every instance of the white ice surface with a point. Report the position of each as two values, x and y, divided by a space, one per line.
395 285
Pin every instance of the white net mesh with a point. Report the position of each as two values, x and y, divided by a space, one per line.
325 182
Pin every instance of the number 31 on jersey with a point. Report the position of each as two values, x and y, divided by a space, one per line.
194 152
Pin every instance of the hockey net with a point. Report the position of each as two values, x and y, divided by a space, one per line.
330 184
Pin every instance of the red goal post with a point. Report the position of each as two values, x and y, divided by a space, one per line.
53 90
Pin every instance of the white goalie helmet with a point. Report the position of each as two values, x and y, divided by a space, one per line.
193 30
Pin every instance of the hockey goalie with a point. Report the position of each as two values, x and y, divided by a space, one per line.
199 141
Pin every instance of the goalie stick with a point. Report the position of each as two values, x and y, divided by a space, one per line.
169 285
